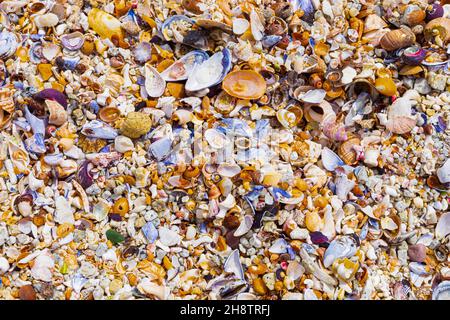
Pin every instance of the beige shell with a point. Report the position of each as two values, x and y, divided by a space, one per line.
440 25
58 115
347 152
397 39
136 124
374 22
318 112
6 100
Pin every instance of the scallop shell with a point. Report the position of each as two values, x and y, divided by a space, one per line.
182 68
155 85
136 124
58 115
397 39
210 72
244 84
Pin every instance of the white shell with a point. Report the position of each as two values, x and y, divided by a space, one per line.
245 226
228 170
240 26
339 248
64 212
443 226
148 287
46 20
154 83
123 144
4 265
233 265
348 74
168 237
256 26
443 173
313 96
216 139
331 160
50 51
43 267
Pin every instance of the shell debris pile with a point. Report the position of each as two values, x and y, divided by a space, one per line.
224 149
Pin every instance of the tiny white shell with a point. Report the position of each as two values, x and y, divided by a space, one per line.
154 83
240 26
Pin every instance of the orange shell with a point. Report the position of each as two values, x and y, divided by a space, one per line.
244 84
109 114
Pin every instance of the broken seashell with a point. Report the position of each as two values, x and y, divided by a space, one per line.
155 85
58 115
244 84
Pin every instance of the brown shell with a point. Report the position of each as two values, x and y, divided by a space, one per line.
414 17
346 151
397 39
109 114
442 25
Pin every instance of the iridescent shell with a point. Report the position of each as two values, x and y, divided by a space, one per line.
244 84
210 72
182 68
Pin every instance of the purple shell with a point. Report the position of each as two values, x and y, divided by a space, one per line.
73 41
52 94
413 55
436 11
318 237
84 175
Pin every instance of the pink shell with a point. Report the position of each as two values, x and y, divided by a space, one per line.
401 124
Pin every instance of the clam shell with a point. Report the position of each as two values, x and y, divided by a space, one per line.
374 22
342 247
210 72
442 291
443 226
109 114
212 24
182 68
443 173
228 170
330 160
161 148
155 85
315 96
244 84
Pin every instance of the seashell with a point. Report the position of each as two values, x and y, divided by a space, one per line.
443 173
256 26
99 129
391 226
240 25
192 6
286 118
42 268
315 96
386 86
161 148
438 31
276 26
233 265
244 227
434 11
58 115
154 83
330 160
50 51
142 52
52 94
136 124
413 55
183 116
244 84
361 85
216 139
397 39
318 112
4 265
442 291
72 41
106 25
12 6
123 144
309 64
46 20
443 226
179 28
341 247
150 288
270 41
212 24
399 118
348 74
84 175
413 15
168 237
109 114
332 129
182 68
228 170
347 152
307 8
210 72
374 22
23 205
224 103
8 44
19 157
65 168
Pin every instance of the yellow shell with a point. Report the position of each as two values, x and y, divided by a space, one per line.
106 25
386 86
136 124
313 222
